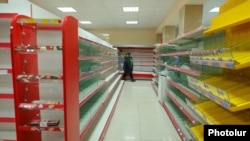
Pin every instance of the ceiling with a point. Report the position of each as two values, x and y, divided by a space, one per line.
106 14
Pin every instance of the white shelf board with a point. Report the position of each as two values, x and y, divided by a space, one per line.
7 135
94 136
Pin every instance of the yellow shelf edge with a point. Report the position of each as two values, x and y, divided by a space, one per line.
240 107
197 130
241 66
232 17
212 117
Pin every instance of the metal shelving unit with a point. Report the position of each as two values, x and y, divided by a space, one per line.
7 112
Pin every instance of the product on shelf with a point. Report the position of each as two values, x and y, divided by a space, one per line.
45 122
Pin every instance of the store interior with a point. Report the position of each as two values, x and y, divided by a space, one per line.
60 79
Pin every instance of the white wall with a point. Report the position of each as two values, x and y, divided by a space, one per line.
27 8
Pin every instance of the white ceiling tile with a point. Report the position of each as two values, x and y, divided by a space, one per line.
109 14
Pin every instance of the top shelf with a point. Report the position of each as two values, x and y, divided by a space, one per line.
189 36
43 24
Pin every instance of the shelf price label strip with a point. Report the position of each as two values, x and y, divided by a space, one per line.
224 103
33 106
195 73
42 21
31 77
190 95
184 111
5 71
37 48
39 129
222 64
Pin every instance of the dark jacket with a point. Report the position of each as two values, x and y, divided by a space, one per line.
128 64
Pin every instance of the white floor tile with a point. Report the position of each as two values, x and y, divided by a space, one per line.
139 116
122 133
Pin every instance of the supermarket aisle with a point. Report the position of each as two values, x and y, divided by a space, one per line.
139 116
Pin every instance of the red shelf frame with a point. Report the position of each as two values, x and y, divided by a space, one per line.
160 64
92 93
176 53
190 72
84 76
8 71
86 98
187 35
69 28
177 127
6 96
144 56
108 69
7 120
187 93
4 45
136 61
143 65
90 58
100 108
106 62
183 110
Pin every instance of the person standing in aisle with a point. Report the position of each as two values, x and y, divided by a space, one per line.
128 65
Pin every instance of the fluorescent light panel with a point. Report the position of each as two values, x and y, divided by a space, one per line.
130 9
105 34
215 9
131 22
85 22
66 9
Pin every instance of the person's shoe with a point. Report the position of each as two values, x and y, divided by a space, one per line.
132 80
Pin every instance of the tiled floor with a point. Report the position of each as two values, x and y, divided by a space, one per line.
139 116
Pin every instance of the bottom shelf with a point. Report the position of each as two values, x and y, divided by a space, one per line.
7 135
198 132
140 75
102 122
178 119
155 88
90 110
213 113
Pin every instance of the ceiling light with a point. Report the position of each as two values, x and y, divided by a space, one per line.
85 22
105 34
215 9
66 9
131 22
130 9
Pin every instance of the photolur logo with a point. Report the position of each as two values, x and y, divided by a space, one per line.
226 132
215 132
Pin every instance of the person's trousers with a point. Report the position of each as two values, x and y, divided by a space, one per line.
125 74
